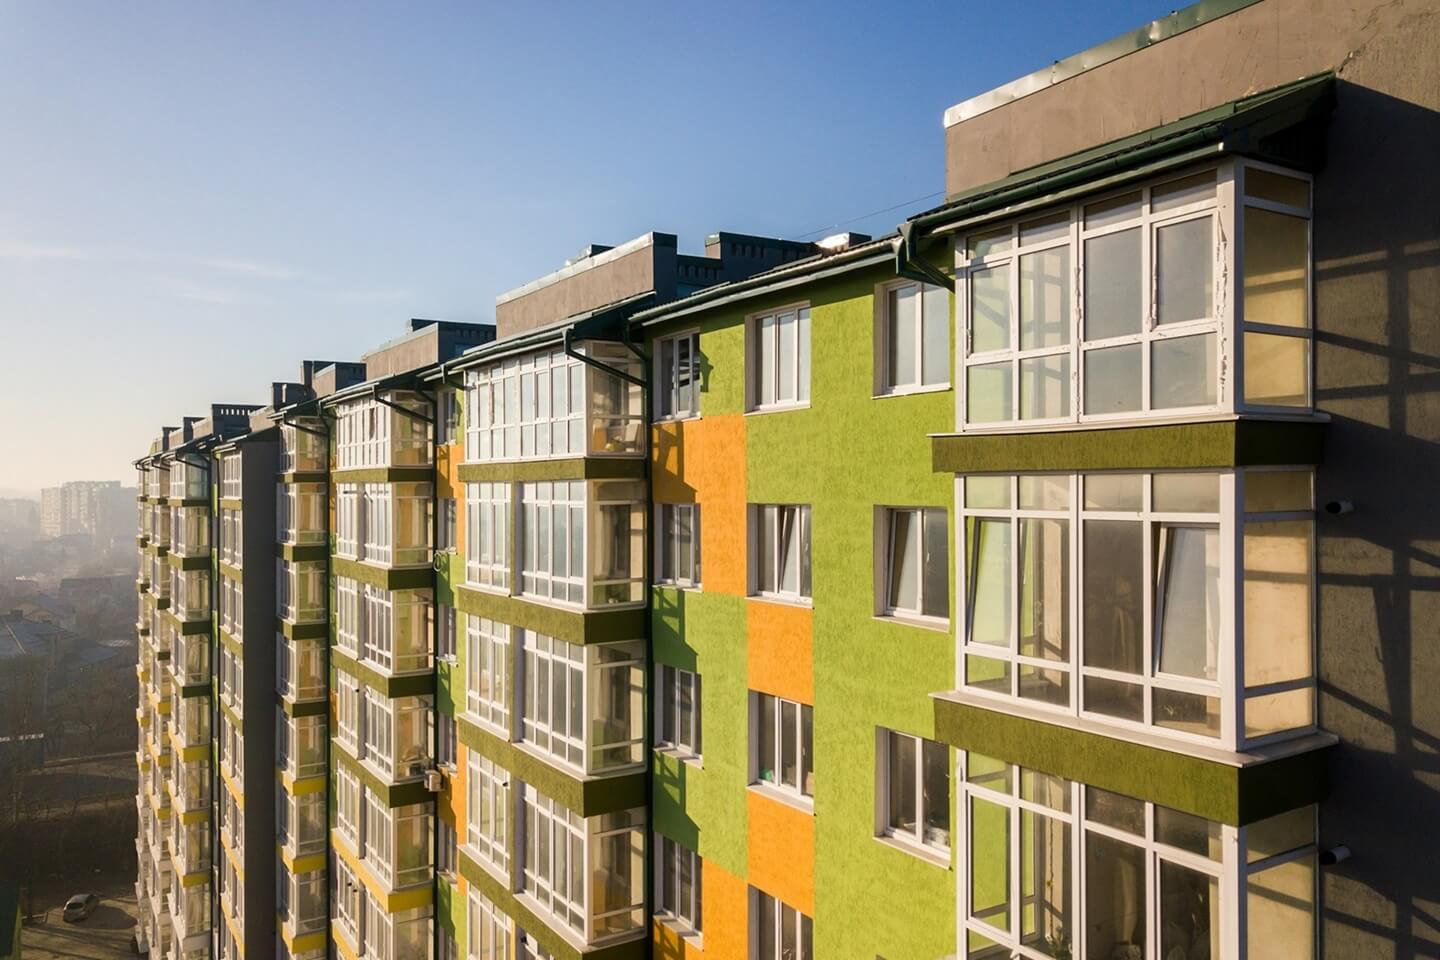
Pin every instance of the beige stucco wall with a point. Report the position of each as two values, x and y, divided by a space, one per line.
625 276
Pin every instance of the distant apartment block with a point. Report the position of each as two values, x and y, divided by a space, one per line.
97 508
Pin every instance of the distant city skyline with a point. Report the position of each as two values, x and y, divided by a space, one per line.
192 178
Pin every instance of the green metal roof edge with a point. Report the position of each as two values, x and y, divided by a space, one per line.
1288 104
598 323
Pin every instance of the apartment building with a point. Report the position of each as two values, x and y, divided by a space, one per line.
1032 583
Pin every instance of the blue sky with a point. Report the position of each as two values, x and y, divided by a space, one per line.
194 197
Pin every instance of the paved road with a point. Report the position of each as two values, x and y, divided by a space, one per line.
105 935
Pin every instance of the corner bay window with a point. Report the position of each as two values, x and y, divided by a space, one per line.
383 523
369 433
1123 305
1055 869
782 746
583 542
584 705
390 629
1128 582
914 774
780 551
917 563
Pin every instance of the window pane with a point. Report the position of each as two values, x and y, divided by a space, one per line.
802 362
1276 187
1277 601
986 244
1045 492
1277 490
935 335
1114 592
900 335
987 674
786 360
807 750
1191 712
766 923
989 587
988 393
1280 834
1184 263
1182 372
1279 711
1045 298
990 863
1277 370
1115 810
935 781
1045 387
789 744
1113 491
1276 254
765 347
990 309
1189 913
1280 919
987 492
1114 898
935 566
1112 285
1186 492
901 777
789 550
1104 213
904 557
1179 193
1045 588
765 759
1188 595
1045 884
1045 685
1114 698
1186 832
1112 379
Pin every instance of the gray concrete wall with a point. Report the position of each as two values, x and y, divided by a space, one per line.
606 282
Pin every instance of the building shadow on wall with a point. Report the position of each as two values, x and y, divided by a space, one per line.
1377 296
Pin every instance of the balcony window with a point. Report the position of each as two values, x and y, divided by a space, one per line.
678 724
383 523
347 520
777 367
300 668
678 544
191 719
589 874
490 930
487 535
299 744
300 513
232 537
347 807
1147 563
914 791
487 671
916 580
192 784
677 377
678 885
303 446
557 520
371 433
1124 306
912 338
299 590
190 593
782 746
191 529
584 705
300 900
162 527
299 821
780 551
446 524
447 416
347 712
230 476
487 837
232 607
192 847
395 735
396 843
390 629
780 931
545 405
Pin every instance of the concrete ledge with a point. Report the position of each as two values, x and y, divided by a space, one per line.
302 552
199 562
413 474
404 685
573 468
1211 444
319 630
572 626
1233 788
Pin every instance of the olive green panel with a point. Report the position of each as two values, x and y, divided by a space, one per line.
1211 444
193 690
1229 793
394 794
572 626
162 603
187 628
408 685
384 475
386 578
302 631
304 476
202 562
304 708
559 947
573 468
587 796
301 552
232 571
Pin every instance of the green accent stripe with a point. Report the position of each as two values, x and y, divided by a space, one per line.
1236 794
575 468
1207 445
304 476
394 794
301 552
586 796
384 475
386 578
409 685
302 631
303 708
201 562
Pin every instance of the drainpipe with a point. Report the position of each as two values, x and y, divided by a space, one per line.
909 263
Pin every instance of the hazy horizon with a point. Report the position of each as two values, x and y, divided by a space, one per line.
196 198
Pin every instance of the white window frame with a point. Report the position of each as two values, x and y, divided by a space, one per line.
540 576
683 551
490 931
446 627
487 665
766 332
447 525
672 374
772 516
685 914
925 295
488 523
487 837
347 520
804 928
802 792
919 517
545 660
445 740
675 686
526 407
884 820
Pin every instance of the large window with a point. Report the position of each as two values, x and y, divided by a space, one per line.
487 534
677 884
1116 596
1120 306
1055 869
395 734
588 874
583 705
229 477
913 337
780 550
390 629
374 433
917 563
914 793
778 931
778 366
487 671
299 596
782 741
487 836
677 726
678 544
677 377
303 446
347 520
300 513
583 543
490 930
232 537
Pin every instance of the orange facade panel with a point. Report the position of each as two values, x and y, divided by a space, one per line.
703 461
726 917
781 656
782 851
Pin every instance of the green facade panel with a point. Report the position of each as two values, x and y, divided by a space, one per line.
572 625
574 468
